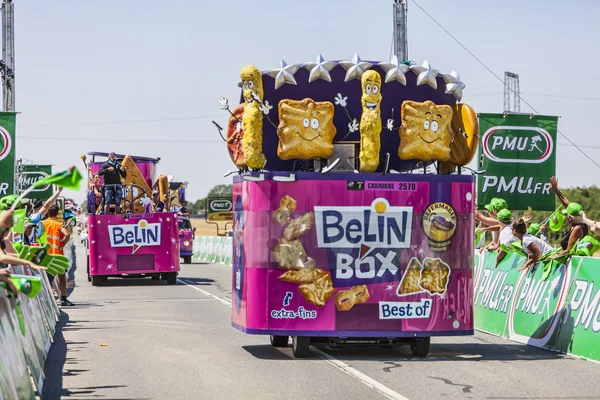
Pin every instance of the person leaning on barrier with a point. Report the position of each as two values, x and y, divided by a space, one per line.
573 212
593 225
57 236
533 246
113 190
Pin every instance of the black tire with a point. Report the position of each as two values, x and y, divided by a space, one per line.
172 278
97 280
88 269
187 259
279 341
421 347
300 346
155 277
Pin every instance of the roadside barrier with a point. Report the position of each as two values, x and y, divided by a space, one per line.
213 249
27 326
558 310
559 313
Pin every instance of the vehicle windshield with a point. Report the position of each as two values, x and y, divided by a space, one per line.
185 224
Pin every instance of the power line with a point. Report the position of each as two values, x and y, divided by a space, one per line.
134 121
104 139
497 77
541 95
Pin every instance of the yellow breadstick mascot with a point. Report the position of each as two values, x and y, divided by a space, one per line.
370 122
252 119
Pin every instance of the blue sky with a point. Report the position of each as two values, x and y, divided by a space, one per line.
83 61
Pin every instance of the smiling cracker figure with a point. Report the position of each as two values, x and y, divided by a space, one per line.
370 121
305 130
252 119
424 134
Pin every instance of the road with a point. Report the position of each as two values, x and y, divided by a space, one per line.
139 339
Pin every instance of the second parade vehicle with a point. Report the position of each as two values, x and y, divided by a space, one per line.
131 242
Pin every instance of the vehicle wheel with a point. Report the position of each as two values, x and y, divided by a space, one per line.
155 277
97 280
300 346
187 259
279 341
421 347
88 269
172 278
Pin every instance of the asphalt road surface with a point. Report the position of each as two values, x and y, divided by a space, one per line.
140 339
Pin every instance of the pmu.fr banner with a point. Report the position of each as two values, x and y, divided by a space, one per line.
30 175
518 152
354 255
560 312
7 153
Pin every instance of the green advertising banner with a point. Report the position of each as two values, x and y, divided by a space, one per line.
31 174
518 153
560 313
7 153
219 209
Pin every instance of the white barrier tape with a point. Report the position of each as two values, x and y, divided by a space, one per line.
213 249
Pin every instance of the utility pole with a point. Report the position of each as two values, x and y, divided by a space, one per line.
400 40
511 89
7 64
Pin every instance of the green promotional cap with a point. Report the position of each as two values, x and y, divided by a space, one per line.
490 207
505 216
533 229
6 202
501 205
573 209
556 221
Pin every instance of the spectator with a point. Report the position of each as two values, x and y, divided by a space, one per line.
496 205
593 225
156 205
113 190
532 246
39 209
57 236
70 249
573 212
537 229
506 235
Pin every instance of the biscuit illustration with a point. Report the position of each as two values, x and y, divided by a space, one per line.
424 134
318 291
346 299
304 275
410 281
434 276
289 254
305 130
299 226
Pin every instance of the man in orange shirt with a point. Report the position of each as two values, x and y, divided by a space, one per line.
57 236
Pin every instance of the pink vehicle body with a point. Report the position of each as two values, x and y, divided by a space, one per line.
186 239
132 245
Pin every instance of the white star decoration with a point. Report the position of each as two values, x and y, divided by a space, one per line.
421 251
389 287
93 242
355 67
453 84
319 69
160 219
395 70
109 266
284 74
172 267
425 74
173 240
100 256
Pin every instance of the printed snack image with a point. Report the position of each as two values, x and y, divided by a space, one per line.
305 130
346 299
319 291
287 203
435 276
304 275
289 254
410 281
441 228
281 217
299 226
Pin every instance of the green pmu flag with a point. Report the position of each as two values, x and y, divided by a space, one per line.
518 152
68 179
7 153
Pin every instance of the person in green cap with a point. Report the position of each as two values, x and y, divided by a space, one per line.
496 205
593 225
573 213
532 246
538 231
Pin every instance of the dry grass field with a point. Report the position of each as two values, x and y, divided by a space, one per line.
203 228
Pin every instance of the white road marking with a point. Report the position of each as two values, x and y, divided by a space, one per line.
356 374
212 296
365 379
